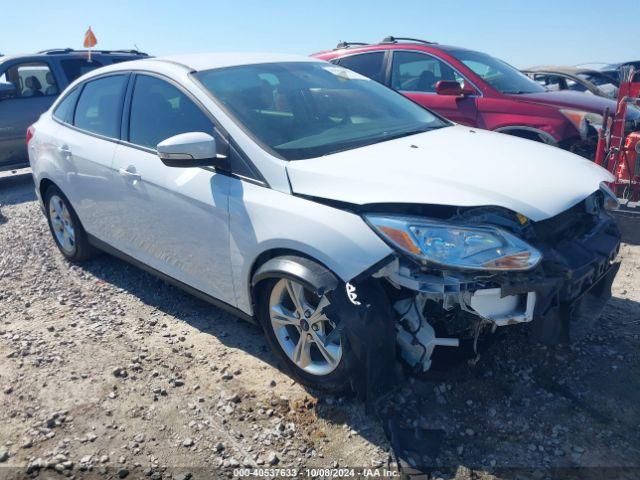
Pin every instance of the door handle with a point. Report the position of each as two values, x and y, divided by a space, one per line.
130 173
64 150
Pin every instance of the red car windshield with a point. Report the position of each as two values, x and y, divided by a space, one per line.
500 75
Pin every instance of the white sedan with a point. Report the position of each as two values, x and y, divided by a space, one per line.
357 227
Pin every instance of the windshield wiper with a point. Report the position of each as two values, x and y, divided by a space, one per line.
408 133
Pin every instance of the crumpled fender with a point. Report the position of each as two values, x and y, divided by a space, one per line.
366 321
364 316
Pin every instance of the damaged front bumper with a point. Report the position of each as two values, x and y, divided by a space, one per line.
401 307
561 298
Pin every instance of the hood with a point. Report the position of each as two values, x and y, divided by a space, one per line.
569 99
456 166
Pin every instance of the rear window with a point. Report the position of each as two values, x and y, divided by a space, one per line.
64 110
76 67
367 64
100 106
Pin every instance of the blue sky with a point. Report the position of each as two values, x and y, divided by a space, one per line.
524 33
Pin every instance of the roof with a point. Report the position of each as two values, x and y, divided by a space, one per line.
206 61
69 52
390 42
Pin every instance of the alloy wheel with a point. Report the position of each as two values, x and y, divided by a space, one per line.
307 336
62 224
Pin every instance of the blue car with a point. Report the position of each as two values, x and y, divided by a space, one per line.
30 83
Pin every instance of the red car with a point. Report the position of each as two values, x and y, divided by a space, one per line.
478 90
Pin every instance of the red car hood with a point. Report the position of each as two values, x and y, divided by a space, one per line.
565 98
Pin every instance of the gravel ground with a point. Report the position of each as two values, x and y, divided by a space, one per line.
107 371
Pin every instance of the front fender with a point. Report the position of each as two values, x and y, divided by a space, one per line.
262 219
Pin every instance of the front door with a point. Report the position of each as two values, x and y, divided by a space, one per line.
35 89
175 220
415 74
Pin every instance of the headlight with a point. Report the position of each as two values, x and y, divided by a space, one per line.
456 246
582 120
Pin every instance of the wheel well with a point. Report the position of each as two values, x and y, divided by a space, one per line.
529 133
524 134
44 184
265 257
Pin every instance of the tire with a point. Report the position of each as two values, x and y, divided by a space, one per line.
66 229
273 296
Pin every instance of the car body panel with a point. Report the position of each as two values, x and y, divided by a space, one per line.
86 161
484 169
567 99
16 114
262 220
462 110
173 219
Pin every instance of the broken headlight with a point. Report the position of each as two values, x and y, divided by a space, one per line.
456 246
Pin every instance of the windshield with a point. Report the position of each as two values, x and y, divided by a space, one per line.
308 109
500 75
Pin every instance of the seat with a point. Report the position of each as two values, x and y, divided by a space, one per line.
52 88
34 87
426 82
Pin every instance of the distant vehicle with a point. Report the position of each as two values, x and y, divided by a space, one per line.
575 79
29 84
615 69
353 224
612 70
479 90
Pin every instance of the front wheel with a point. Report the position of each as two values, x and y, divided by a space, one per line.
301 334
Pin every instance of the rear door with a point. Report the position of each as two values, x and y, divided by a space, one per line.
415 74
35 89
86 146
369 64
175 220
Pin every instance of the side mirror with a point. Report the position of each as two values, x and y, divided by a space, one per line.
7 90
192 149
453 88
449 87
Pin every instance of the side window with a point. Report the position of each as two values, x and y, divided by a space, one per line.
32 79
75 67
368 64
550 82
100 105
159 111
64 110
417 72
575 86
